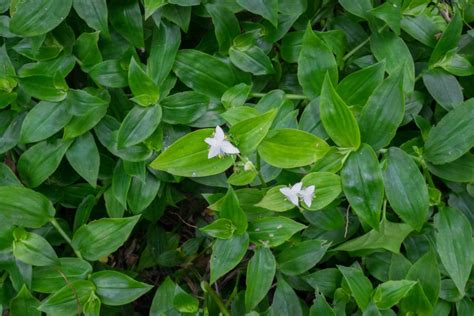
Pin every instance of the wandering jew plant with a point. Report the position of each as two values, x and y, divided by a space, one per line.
236 157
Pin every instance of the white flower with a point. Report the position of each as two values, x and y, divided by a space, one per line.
248 166
292 193
297 192
219 145
307 195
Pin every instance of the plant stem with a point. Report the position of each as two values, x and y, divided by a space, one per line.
355 49
288 96
215 297
56 225
259 173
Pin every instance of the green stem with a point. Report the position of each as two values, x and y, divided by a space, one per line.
288 96
58 227
215 297
259 173
355 49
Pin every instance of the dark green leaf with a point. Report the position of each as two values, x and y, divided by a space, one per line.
231 209
126 18
225 23
226 254
94 13
391 292
260 273
66 300
302 256
33 249
138 125
448 41
24 303
268 9
84 157
443 87
273 231
359 285
253 60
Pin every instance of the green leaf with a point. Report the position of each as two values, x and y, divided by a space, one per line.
33 249
454 245
406 188
126 18
448 41
86 49
359 284
383 113
34 18
231 209
356 88
163 299
184 302
66 300
268 9
102 237
259 278
359 8
417 302
226 25
178 15
7 177
328 188
301 257
226 254
204 73
389 236
184 107
443 87
290 148
273 231
187 157
45 88
459 170
338 120
44 120
142 192
421 27
249 133
221 228
274 200
93 13
120 183
115 288
236 96
151 6
50 279
109 73
362 182
390 13
321 307
144 89
138 125
41 160
84 158
164 46
391 292
391 48
24 303
285 300
24 207
452 137
252 59
426 271
314 62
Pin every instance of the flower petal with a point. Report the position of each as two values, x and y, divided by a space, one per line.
297 187
228 148
219 134
214 151
290 195
212 141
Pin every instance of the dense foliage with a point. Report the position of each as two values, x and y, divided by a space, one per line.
269 157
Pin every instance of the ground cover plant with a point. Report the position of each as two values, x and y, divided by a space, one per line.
236 157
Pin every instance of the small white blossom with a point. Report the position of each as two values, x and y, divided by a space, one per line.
219 145
249 166
297 192
292 193
307 195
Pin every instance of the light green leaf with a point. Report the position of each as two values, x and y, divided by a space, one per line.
65 301
391 292
249 133
221 228
33 249
273 231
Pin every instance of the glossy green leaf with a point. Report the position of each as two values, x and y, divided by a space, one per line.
454 245
406 188
226 254
290 148
315 60
94 13
109 73
236 96
421 27
260 273
426 271
103 236
184 302
268 9
452 137
33 249
449 39
359 284
34 18
321 307
359 8
144 89
249 133
327 189
391 292
163 299
65 301
356 88
126 18
142 193
179 15
184 107
362 182
188 157
444 88
459 170
225 23
138 125
24 303
302 256
115 288
50 279
231 210
253 60
41 160
285 300
45 88
31 210
383 113
84 157
338 120
273 231
221 228
204 73
44 120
